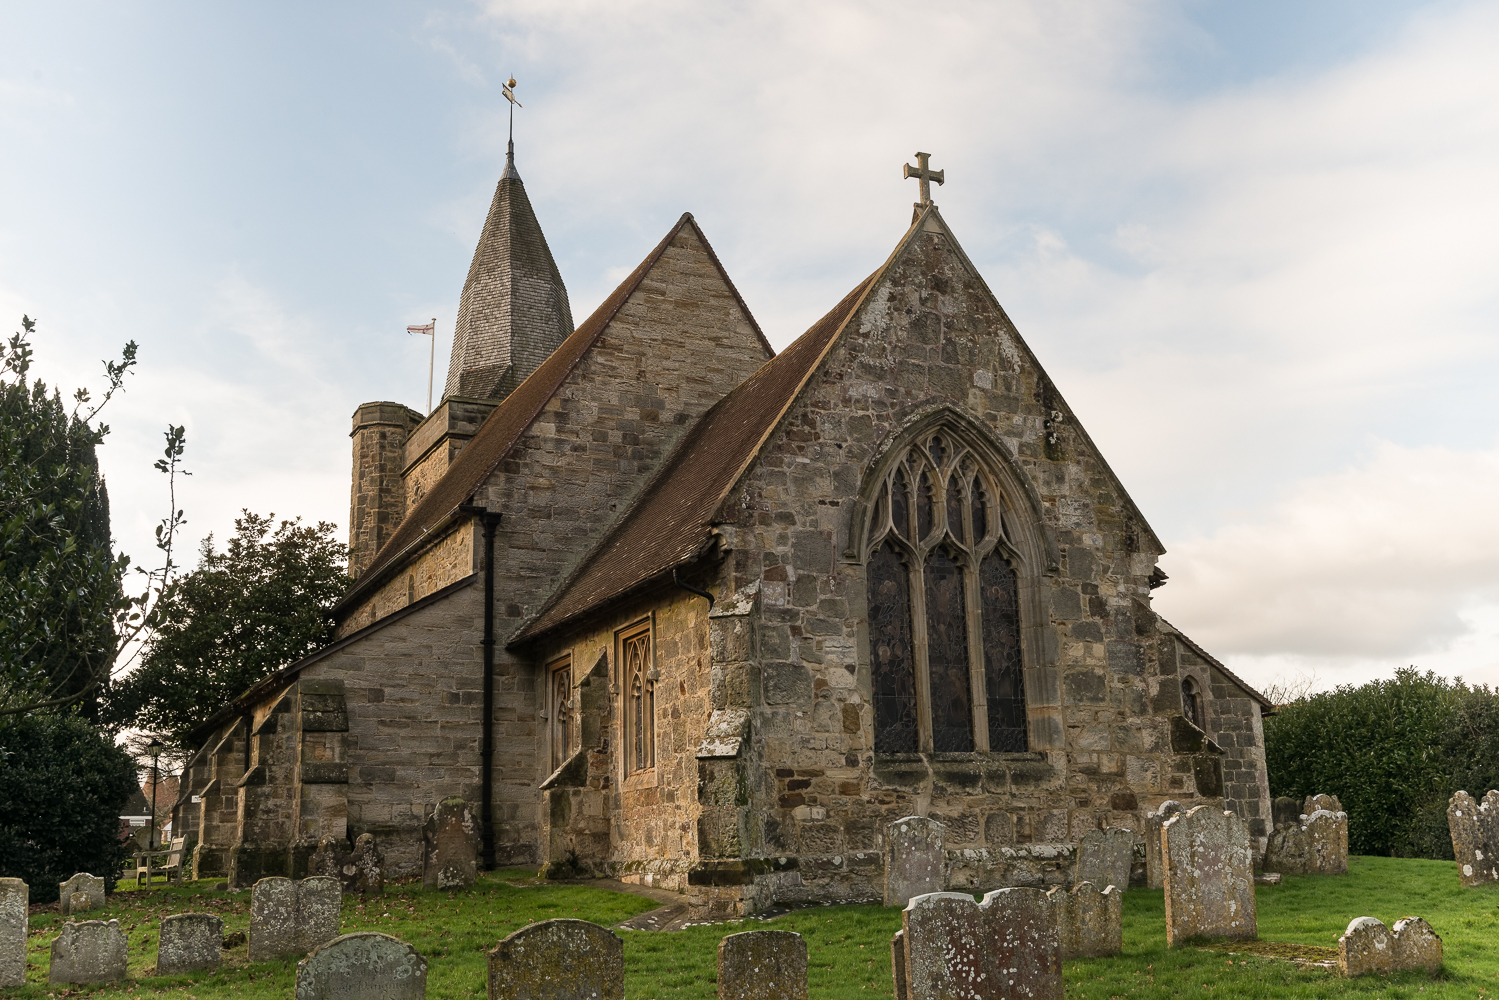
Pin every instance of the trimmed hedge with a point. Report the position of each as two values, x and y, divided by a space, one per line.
1393 752
63 784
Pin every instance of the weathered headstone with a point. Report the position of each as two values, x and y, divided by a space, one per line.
88 951
15 897
329 859
1313 845
273 919
1155 876
319 905
914 859
1284 811
189 941
762 965
90 886
558 960
1104 857
1004 947
898 966
1090 923
1209 876
362 966
451 835
1416 946
365 867
1364 947
1321 801
1475 837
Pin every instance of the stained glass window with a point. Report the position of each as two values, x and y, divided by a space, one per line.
926 588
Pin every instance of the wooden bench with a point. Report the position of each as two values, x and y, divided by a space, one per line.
147 867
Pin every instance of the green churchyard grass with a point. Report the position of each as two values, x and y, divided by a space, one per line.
848 946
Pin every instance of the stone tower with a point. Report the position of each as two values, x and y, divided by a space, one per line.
513 312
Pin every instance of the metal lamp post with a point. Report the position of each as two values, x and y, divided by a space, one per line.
154 748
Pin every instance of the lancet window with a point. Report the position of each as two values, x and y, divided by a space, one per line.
944 607
639 689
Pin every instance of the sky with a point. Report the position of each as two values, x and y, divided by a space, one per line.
1254 245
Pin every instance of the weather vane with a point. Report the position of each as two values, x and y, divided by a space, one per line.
508 89
925 175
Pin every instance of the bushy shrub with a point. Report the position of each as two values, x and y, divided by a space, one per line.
63 784
1393 751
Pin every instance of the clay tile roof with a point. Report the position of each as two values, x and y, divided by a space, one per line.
1219 664
670 522
510 419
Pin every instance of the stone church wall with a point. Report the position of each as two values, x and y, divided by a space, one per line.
451 558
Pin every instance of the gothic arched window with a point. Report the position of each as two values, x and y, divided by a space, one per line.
1192 702
944 607
639 671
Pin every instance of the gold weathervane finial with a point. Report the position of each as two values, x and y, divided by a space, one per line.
925 174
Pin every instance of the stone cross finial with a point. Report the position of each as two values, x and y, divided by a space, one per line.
925 175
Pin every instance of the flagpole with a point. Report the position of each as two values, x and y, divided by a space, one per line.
431 363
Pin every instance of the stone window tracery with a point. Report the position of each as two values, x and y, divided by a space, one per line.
560 683
944 606
638 668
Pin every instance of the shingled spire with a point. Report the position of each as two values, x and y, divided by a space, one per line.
513 312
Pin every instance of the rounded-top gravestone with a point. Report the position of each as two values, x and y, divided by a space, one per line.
558 960
362 966
189 941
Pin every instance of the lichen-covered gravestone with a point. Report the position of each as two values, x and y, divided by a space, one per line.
1475 837
451 859
365 868
1417 946
362 966
914 859
1364 947
1321 801
189 941
88 951
762 965
90 887
1090 923
898 966
1209 876
1104 857
558 960
329 859
1155 874
15 895
319 906
273 919
1315 844
1004 947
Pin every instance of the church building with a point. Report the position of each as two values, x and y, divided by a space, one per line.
664 605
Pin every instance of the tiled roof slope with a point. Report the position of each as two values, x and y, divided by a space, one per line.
513 312
505 425
1219 664
667 526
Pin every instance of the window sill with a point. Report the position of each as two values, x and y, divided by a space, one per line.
973 757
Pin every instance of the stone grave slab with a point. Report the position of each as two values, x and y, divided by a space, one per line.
1003 947
88 951
915 863
1416 946
1104 857
451 835
91 887
15 897
367 876
189 941
1209 876
319 906
1474 826
1090 923
362 966
273 919
762 965
1154 871
558 960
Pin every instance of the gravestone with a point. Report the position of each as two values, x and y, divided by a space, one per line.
319 905
1416 946
1154 869
558 960
1104 857
189 941
762 965
1004 947
88 951
1090 923
1475 837
273 919
362 966
365 867
1313 845
1209 876
329 859
451 836
1320 801
15 897
1284 811
1364 947
898 966
91 887
914 860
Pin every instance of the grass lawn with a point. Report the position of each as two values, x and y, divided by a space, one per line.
849 946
